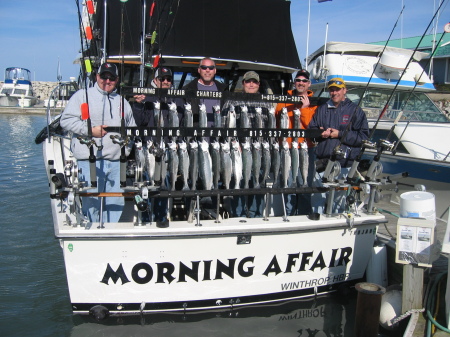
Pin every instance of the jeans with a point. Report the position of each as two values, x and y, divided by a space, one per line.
108 180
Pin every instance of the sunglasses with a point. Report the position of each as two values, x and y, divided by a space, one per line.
251 81
207 67
162 79
304 80
335 82
105 77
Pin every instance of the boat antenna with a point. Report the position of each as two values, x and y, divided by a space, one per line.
368 143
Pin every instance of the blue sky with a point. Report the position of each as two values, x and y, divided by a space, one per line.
34 34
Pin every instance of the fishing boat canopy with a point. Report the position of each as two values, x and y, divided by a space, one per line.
256 31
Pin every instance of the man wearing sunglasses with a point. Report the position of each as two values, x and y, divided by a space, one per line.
144 114
344 124
104 110
300 203
205 82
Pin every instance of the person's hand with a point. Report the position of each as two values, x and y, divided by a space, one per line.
305 101
139 98
334 133
326 133
99 131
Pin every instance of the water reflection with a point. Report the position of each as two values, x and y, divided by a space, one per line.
329 316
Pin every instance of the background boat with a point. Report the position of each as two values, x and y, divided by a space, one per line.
17 89
421 138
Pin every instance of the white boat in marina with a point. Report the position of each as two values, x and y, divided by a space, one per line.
203 260
421 139
17 89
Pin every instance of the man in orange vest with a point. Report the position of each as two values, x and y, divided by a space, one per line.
300 203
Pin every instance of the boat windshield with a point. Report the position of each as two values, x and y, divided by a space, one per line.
17 74
416 106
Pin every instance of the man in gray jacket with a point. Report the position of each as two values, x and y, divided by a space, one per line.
105 109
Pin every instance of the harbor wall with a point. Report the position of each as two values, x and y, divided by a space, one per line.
43 89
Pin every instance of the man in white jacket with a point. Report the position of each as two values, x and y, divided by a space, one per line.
105 109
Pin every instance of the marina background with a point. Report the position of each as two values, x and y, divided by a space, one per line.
49 37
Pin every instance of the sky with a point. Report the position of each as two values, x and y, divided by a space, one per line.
37 34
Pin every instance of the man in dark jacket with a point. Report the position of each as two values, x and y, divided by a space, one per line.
206 82
153 111
344 124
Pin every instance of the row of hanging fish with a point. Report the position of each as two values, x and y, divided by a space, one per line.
231 119
230 164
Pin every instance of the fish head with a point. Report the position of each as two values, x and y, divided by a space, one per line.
157 105
202 107
188 107
272 111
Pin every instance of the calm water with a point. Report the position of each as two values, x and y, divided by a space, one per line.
34 299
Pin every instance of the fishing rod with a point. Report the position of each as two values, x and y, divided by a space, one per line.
337 150
85 115
123 157
368 143
394 149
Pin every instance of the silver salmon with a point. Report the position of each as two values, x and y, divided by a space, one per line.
304 162
256 164
276 162
183 163
236 157
173 164
215 157
265 162
204 165
294 162
193 162
246 162
285 163
202 118
226 164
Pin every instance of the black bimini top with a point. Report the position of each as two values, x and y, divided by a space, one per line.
247 30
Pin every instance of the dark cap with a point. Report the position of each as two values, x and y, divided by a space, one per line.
163 71
302 72
108 68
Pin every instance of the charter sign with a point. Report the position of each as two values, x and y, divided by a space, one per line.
144 273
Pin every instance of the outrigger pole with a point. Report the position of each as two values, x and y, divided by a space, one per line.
89 141
394 149
368 143
123 157
337 149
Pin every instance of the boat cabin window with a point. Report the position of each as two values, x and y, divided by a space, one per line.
7 91
416 106
20 92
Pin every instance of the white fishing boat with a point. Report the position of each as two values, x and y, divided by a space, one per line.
17 89
420 142
203 260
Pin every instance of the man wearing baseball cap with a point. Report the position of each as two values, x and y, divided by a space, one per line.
334 118
104 110
300 203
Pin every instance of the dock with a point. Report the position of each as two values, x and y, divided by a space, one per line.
390 207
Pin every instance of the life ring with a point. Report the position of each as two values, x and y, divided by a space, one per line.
317 68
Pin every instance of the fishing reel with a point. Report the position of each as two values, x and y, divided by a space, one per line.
117 139
385 145
89 142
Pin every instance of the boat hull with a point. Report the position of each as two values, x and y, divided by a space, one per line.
179 272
